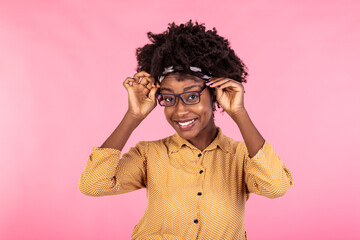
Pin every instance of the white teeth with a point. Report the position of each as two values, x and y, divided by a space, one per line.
186 123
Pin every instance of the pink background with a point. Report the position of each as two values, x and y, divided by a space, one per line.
62 64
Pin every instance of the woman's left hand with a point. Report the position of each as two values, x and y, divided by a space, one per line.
229 94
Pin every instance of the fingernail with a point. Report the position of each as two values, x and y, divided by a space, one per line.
219 86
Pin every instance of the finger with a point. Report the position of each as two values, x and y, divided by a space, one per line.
214 80
143 73
218 82
149 85
146 92
156 85
139 75
144 81
128 82
227 85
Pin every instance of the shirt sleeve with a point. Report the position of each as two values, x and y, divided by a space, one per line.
109 173
265 174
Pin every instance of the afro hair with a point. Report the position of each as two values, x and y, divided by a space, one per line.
190 44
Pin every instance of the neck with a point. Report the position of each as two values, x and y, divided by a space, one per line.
205 138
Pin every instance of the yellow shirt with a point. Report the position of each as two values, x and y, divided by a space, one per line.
192 194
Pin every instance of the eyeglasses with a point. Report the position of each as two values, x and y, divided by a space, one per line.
188 98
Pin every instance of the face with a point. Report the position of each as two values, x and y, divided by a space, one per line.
191 122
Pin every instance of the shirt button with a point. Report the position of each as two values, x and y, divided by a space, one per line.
196 221
201 171
199 193
199 155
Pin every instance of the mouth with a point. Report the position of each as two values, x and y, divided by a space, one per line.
186 124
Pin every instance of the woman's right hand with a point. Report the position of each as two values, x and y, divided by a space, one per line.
141 94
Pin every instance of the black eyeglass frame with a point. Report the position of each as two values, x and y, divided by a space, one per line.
179 96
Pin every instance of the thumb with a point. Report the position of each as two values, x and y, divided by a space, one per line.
152 93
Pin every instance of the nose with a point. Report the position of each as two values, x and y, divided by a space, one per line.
180 107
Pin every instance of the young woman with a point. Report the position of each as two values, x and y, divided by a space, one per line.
198 179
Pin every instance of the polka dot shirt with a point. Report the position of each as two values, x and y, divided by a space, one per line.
192 194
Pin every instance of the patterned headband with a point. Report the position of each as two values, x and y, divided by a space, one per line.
193 70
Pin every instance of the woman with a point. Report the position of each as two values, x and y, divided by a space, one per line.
198 179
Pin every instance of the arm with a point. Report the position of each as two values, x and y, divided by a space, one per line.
108 173
141 94
265 174
252 138
121 134
230 95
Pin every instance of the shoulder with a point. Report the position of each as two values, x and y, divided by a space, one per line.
157 142
154 144
231 144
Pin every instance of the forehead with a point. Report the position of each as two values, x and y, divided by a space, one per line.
180 81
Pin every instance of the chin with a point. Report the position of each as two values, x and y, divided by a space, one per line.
187 135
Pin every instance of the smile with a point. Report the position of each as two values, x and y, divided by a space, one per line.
186 123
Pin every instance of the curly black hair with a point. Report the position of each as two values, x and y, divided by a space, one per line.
188 45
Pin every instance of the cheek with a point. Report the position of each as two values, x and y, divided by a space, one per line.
205 110
208 104
167 113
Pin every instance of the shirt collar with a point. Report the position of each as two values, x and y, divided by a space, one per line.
176 142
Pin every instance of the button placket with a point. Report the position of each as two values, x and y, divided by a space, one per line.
199 194
199 157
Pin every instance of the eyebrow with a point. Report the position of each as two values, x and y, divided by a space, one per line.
185 89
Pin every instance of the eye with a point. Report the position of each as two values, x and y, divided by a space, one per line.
192 97
168 98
